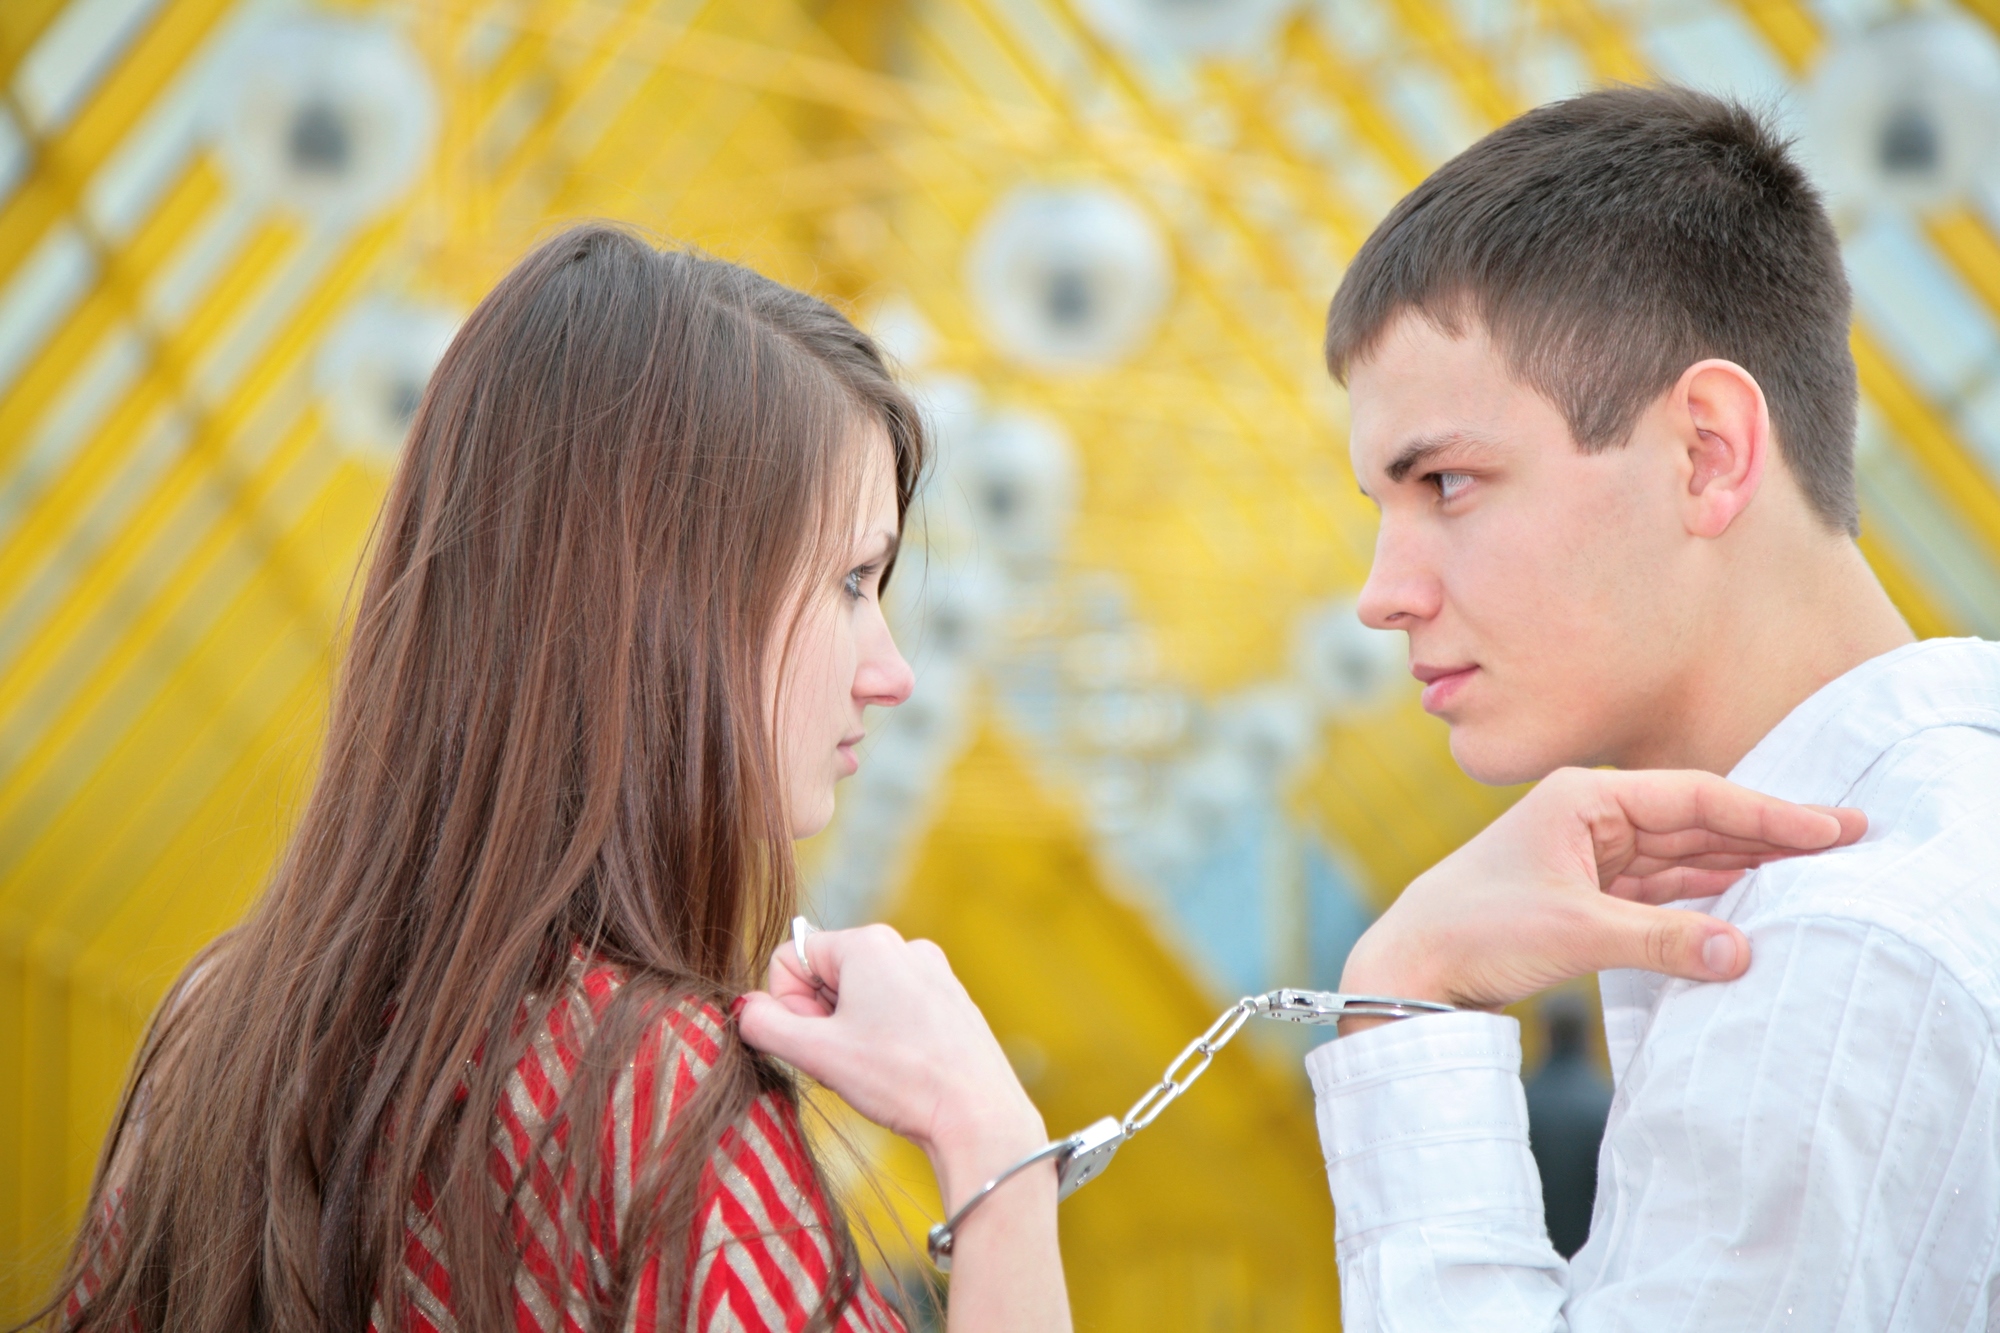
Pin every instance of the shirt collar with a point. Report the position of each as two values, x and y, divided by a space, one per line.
1824 745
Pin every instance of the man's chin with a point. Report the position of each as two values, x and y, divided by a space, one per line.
1500 760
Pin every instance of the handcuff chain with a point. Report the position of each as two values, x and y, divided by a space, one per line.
1084 1154
1174 1082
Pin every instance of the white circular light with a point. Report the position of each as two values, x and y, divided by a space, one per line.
331 118
1068 278
1131 721
1909 112
1189 27
373 369
1019 476
1345 664
1274 727
956 605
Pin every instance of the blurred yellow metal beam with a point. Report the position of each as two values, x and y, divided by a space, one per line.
70 863
1926 617
1969 244
1603 43
1789 28
1959 482
1966 239
1215 191
63 163
182 208
1961 485
21 23
1199 272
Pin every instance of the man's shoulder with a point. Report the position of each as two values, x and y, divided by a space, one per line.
1929 781
1928 870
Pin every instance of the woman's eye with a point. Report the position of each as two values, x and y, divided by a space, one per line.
1451 484
852 584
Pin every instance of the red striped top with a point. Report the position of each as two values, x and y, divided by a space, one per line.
759 1256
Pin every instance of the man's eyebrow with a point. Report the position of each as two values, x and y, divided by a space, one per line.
1426 449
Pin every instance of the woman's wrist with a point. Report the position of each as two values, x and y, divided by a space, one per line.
972 1147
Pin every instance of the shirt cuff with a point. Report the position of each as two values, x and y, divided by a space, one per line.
1424 1119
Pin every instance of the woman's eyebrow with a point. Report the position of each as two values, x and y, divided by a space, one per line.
891 542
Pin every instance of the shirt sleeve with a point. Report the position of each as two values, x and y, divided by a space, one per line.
1811 1146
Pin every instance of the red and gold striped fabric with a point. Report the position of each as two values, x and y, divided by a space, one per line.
759 1256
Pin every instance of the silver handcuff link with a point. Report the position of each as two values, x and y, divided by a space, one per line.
1082 1157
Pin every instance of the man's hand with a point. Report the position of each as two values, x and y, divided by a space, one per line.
1569 881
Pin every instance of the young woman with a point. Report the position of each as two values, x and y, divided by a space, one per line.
469 1064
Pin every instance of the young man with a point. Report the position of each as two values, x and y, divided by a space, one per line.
1601 391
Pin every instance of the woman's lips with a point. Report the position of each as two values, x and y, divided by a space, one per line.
850 762
1442 684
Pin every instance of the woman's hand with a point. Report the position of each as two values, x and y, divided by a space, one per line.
904 1045
1569 881
894 1033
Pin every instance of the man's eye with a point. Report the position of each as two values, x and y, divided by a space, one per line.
1450 484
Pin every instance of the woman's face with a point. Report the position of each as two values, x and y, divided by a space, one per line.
842 657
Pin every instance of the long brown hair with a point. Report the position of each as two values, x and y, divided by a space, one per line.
549 730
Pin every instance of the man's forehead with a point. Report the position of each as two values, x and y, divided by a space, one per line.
1423 394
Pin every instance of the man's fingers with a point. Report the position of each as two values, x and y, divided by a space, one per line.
1645 867
1690 945
1672 884
1665 802
1852 822
1682 844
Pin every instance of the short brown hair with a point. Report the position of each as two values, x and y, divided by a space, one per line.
1610 241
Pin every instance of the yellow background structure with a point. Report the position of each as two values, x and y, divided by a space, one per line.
179 524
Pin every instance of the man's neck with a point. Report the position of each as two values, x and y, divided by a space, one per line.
1761 658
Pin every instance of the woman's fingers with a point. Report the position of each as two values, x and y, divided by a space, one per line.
772 1026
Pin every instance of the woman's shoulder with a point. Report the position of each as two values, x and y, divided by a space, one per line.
762 1251
590 986
675 1049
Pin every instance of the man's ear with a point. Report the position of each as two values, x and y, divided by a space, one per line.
1725 426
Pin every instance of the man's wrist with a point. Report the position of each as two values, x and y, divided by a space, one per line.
1385 968
1381 965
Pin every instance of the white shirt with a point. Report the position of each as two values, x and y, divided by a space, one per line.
1813 1146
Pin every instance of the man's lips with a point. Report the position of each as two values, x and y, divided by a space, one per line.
1441 683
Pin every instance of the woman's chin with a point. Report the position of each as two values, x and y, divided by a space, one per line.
814 819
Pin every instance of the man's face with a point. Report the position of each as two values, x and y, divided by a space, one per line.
1539 585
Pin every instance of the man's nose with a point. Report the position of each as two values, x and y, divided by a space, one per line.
1401 589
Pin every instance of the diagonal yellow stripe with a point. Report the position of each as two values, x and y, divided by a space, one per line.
63 163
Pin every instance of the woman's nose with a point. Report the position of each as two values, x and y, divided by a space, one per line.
884 678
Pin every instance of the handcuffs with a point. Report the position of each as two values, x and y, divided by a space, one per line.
1082 1157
